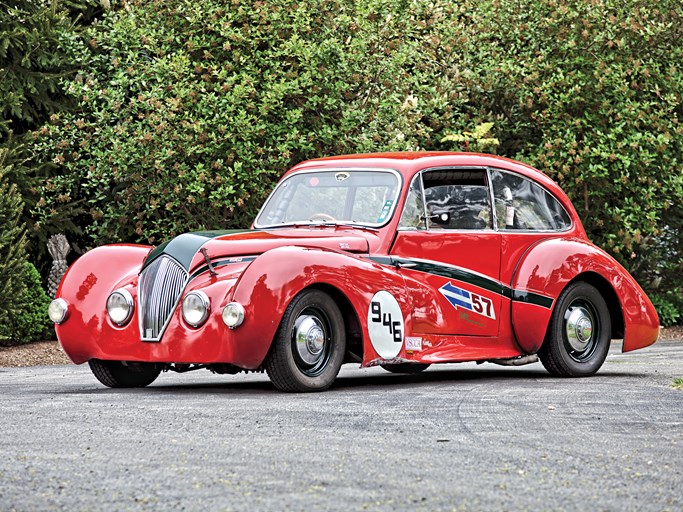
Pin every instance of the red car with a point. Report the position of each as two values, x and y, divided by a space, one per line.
399 260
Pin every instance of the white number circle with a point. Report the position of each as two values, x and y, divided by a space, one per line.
385 325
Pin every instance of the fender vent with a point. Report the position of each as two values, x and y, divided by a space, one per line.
160 287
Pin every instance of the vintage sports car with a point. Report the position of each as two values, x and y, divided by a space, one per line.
400 260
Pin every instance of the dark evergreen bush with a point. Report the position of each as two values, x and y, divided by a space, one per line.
12 241
27 319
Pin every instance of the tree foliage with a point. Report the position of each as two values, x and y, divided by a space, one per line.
35 36
39 49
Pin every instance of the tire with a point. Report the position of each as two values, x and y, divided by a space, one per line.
115 374
579 334
411 368
309 346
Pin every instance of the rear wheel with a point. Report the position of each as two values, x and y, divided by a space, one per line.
308 349
115 374
579 334
405 367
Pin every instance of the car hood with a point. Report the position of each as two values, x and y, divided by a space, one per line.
188 249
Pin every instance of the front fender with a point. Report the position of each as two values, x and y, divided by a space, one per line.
86 286
549 266
270 283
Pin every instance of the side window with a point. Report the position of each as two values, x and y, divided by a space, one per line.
521 204
457 199
413 216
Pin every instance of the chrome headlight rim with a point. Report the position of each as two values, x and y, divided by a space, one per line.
61 309
127 300
233 315
204 301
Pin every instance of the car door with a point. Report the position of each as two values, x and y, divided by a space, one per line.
450 253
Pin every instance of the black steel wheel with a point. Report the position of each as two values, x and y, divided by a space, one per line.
308 349
579 334
116 374
411 368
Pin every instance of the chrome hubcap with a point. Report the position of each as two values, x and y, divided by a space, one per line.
309 339
579 328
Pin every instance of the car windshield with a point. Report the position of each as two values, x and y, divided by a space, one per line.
339 196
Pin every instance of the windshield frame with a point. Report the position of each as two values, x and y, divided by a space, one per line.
346 223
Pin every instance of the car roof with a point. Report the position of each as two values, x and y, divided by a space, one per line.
410 162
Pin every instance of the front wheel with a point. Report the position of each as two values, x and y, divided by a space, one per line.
116 374
308 349
579 334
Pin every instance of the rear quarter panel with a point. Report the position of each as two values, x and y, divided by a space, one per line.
550 265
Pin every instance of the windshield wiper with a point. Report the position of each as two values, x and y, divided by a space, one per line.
327 224
346 225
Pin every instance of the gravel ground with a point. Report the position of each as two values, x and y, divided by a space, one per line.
41 353
46 353
455 438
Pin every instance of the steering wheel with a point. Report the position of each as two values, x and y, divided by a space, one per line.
321 217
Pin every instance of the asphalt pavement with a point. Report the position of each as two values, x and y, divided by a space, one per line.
457 437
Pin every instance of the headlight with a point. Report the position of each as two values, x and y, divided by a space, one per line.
233 315
120 306
196 308
58 310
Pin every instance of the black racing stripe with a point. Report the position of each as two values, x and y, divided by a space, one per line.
222 263
532 298
467 277
460 275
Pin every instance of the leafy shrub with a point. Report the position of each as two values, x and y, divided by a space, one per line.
669 308
28 320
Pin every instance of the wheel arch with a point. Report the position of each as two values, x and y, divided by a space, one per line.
86 286
268 285
610 295
352 326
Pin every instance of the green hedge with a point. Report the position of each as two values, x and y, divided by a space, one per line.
592 93
187 112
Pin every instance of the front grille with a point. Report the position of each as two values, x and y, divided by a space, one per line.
161 285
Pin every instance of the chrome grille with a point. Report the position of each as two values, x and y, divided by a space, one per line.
160 287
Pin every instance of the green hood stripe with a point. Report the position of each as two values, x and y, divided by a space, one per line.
183 247
468 277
